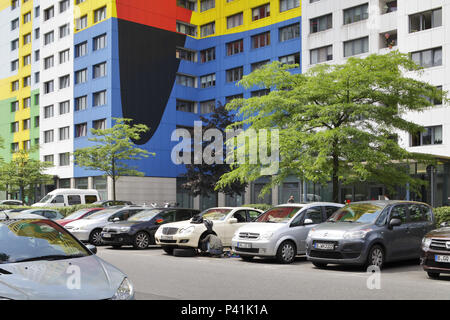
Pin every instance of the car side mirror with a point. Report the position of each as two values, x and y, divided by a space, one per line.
233 220
92 248
444 224
308 221
116 219
395 222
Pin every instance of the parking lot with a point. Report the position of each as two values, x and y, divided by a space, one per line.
157 275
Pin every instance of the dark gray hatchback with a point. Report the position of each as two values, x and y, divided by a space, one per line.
370 233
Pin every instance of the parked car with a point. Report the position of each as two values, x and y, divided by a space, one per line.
36 260
48 214
139 230
11 203
185 234
77 215
435 257
68 197
370 233
112 203
281 231
89 229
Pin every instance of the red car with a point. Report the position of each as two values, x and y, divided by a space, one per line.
80 214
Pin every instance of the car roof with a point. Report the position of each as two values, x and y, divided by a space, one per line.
389 202
309 204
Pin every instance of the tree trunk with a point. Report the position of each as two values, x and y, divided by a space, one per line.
114 178
21 191
335 174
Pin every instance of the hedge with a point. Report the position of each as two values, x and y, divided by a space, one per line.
65 211
260 206
442 214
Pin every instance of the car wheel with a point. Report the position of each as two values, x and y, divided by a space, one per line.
141 240
286 252
320 265
168 250
117 246
95 238
247 258
433 275
375 257
188 252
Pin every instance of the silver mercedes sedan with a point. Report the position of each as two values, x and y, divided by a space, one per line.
40 260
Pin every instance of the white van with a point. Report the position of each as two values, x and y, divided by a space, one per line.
68 197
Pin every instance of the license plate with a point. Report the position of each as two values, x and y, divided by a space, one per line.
106 235
324 246
244 245
166 237
445 259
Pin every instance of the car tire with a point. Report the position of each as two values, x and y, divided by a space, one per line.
141 240
433 275
168 250
375 257
188 252
286 252
247 258
117 246
320 265
95 238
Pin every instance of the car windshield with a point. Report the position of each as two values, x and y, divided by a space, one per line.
45 199
76 214
215 214
278 214
35 239
357 212
145 215
102 214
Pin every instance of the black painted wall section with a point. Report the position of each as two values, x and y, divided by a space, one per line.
148 68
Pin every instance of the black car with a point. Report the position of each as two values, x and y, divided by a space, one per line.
112 203
139 230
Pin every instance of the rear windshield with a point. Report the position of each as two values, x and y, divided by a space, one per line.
278 214
102 214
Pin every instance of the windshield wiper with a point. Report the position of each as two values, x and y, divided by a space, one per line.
51 257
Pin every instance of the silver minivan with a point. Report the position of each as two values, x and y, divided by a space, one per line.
281 232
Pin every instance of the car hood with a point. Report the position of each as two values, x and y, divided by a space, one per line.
440 233
57 280
39 204
116 225
260 227
85 222
337 229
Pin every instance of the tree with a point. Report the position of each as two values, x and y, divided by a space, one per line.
113 149
202 178
23 173
339 122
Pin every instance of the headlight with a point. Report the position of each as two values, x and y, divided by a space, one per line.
360 234
266 235
236 234
125 291
311 233
186 231
124 229
426 242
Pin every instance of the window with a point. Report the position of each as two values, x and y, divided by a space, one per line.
186 54
14 106
188 29
186 80
235 20
48 87
15 126
81 49
100 14
15 85
437 102
289 32
207 4
74 200
321 23
80 103
36 122
81 76
291 59
79 1
64 107
99 98
428 58
425 20
26 124
357 46
416 213
64 133
99 124
261 40
49 37
207 29
49 158
27 39
259 64
321 54
64 30
14 24
261 12
64 56
48 62
186 106
235 47
289 4
49 13
399 212
14 65
431 136
14 44
99 42
26 102
187 4
48 112
80 130
64 5
389 6
260 93
235 74
37 55
14 4
26 145
27 60
37 33
48 136
231 98
356 14
36 99
37 11
208 80
15 147
26 81
100 70
208 54
64 159
64 82
27 17
207 106
81 22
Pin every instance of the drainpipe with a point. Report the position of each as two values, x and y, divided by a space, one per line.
408 195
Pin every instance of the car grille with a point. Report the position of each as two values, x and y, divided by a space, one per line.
167 241
437 244
326 254
169 231
248 235
248 250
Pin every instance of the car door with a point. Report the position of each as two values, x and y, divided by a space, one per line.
58 201
397 238
183 215
230 228
417 227
252 215
299 230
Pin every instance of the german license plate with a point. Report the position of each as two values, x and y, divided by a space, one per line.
166 237
244 245
445 259
324 246
106 235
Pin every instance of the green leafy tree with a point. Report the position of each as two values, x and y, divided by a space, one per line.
339 122
113 150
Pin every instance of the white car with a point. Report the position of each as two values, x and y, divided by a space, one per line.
281 232
90 228
185 234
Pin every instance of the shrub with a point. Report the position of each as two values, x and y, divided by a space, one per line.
260 206
442 214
